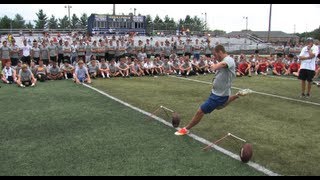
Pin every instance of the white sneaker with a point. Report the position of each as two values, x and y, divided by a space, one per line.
23 86
244 92
32 85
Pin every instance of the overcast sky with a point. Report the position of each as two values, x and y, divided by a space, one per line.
227 17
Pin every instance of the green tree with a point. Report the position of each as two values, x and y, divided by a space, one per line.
84 21
29 25
41 23
53 23
74 21
64 23
18 22
5 22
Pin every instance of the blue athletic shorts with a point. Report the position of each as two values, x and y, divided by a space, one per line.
213 102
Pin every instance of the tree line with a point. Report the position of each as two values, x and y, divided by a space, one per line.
44 21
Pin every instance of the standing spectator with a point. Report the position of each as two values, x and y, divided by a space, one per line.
197 50
188 48
5 53
158 50
35 52
26 51
60 52
81 50
208 49
67 51
308 57
14 55
111 51
74 51
180 49
44 53
88 52
53 52
148 48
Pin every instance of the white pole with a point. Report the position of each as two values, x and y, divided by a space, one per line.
236 137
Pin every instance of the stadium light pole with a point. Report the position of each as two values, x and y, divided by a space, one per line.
205 20
69 7
246 22
269 23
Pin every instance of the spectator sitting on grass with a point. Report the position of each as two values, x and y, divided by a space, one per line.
8 74
67 70
25 77
278 67
55 72
293 67
93 68
41 71
81 74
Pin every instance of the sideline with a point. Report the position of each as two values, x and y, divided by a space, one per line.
261 93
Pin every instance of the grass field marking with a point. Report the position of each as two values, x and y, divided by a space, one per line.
261 93
285 78
200 139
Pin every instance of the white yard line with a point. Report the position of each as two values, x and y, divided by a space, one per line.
257 92
200 139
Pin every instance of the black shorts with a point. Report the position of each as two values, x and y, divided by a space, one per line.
26 83
187 54
14 61
53 58
306 75
208 55
10 79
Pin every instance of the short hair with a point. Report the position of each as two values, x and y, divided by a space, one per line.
220 48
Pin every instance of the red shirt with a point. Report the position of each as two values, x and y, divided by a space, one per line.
243 67
294 67
263 67
278 67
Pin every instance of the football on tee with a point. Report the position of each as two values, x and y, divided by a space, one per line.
246 153
175 120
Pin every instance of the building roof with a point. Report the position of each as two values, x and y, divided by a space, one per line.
264 34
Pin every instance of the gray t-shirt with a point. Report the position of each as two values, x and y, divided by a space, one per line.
54 71
25 76
93 69
224 77
81 50
113 68
15 54
36 52
65 49
5 52
44 52
81 72
52 50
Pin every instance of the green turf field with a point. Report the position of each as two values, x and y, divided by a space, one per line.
59 128
284 133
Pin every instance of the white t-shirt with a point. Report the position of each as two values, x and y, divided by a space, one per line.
26 50
309 64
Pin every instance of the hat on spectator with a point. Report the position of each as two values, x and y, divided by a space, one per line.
309 39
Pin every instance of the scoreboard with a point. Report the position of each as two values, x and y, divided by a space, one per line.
122 24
